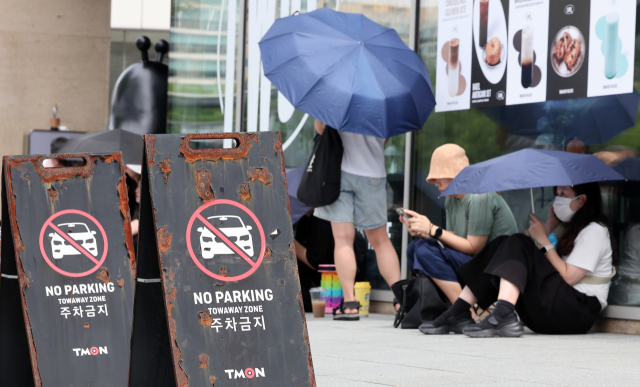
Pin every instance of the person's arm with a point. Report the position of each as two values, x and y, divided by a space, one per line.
552 221
538 231
319 127
422 226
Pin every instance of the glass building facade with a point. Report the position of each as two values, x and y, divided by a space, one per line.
216 84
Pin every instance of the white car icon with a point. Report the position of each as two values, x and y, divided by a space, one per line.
233 228
80 233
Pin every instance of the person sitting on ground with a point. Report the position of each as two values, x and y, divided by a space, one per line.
553 291
472 221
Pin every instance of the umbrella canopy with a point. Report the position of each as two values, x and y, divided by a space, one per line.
629 168
349 72
104 141
531 168
592 120
298 209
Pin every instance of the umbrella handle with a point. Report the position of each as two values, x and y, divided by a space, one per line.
533 209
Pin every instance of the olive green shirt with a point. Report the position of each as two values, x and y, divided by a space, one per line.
480 214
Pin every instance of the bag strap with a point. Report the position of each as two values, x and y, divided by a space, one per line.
401 313
593 280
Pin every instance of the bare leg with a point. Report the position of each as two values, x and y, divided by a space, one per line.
345 258
386 255
450 289
508 291
468 296
301 253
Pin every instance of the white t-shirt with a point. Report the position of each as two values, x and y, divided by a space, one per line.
363 155
592 252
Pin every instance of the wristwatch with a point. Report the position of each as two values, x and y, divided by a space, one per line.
546 249
438 233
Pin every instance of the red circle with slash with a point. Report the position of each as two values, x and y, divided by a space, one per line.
82 250
229 244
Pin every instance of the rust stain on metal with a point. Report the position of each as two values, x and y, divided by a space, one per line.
204 360
192 155
103 275
172 276
223 271
243 190
164 240
212 379
278 147
261 174
26 178
267 253
86 325
151 148
52 192
23 281
109 158
203 185
123 205
281 282
165 167
120 282
205 318
254 137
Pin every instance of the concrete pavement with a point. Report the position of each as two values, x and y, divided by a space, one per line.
372 353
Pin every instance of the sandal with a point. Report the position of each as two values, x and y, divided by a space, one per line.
342 316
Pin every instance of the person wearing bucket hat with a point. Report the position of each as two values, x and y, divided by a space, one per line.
472 221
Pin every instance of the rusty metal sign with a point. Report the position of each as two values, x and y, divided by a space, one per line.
221 228
68 273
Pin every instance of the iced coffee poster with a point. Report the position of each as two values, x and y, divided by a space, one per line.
527 49
453 69
568 63
490 53
611 46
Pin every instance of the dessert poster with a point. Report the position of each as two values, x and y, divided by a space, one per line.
568 63
453 68
490 53
611 47
527 65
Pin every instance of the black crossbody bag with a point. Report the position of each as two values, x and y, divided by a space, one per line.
320 183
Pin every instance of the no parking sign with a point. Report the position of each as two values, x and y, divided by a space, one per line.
229 303
67 273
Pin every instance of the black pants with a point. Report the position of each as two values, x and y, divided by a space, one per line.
547 304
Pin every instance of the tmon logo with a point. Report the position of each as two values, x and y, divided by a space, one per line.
93 351
248 373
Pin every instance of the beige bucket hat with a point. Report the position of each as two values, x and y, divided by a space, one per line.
446 162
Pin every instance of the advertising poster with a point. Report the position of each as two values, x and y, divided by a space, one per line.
454 55
527 49
611 47
490 53
568 49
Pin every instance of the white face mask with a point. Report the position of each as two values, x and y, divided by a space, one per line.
562 208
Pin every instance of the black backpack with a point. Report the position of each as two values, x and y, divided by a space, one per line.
320 183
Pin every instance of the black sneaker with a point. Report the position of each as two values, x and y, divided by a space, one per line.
492 326
444 325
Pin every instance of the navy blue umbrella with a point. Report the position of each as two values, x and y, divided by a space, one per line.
349 72
629 168
592 120
530 168
298 209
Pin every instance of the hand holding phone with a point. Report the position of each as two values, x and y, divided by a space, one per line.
401 213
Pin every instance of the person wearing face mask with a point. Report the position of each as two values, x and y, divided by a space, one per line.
554 290
472 221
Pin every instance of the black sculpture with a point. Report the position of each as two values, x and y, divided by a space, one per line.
139 101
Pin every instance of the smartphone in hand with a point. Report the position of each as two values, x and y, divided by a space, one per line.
401 213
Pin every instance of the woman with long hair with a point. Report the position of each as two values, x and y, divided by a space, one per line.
553 290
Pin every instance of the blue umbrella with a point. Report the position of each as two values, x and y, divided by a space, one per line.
592 120
629 168
530 168
349 72
298 209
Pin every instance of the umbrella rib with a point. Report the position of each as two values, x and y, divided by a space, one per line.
322 77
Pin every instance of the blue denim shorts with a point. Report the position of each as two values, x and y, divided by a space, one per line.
362 201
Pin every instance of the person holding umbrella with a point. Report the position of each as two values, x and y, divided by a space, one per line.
554 290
